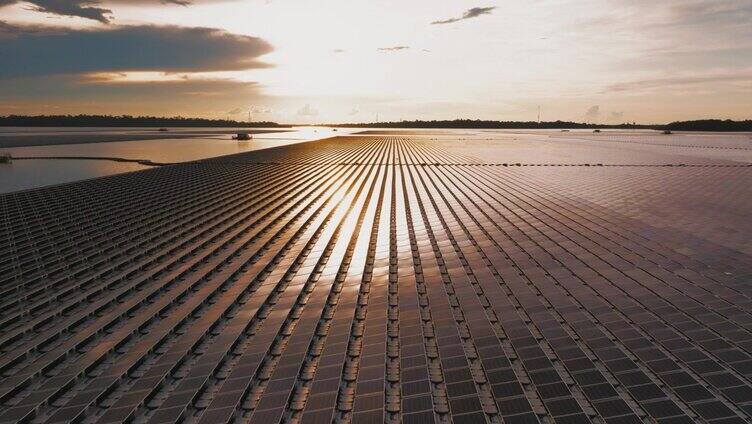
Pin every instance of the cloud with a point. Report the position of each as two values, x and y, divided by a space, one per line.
616 116
235 111
676 81
338 51
307 110
259 110
87 9
38 51
77 94
676 27
354 111
710 13
469 14
593 113
79 8
393 49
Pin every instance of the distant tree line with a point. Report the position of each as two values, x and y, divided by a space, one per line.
711 125
122 121
700 125
481 124
154 121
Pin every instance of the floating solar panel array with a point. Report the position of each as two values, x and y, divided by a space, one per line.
374 279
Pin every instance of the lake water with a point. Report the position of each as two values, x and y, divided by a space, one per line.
31 173
502 146
25 174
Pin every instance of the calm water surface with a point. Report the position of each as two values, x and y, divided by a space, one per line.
25 174
32 173
513 146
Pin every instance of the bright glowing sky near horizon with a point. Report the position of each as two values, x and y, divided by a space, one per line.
300 61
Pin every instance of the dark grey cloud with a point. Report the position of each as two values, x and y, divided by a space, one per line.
87 9
76 94
168 2
38 51
78 86
469 14
79 8
393 48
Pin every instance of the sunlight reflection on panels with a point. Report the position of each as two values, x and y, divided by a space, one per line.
391 278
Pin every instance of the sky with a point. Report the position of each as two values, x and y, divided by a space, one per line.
334 61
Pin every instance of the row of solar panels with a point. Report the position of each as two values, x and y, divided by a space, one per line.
502 303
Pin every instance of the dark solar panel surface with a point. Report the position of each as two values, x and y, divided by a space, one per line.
382 278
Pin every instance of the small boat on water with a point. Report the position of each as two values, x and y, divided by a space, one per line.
242 136
6 158
668 132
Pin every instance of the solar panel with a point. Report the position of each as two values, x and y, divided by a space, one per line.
324 282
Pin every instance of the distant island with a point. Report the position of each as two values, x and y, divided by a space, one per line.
700 125
124 121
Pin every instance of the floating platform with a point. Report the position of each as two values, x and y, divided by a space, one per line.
382 279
